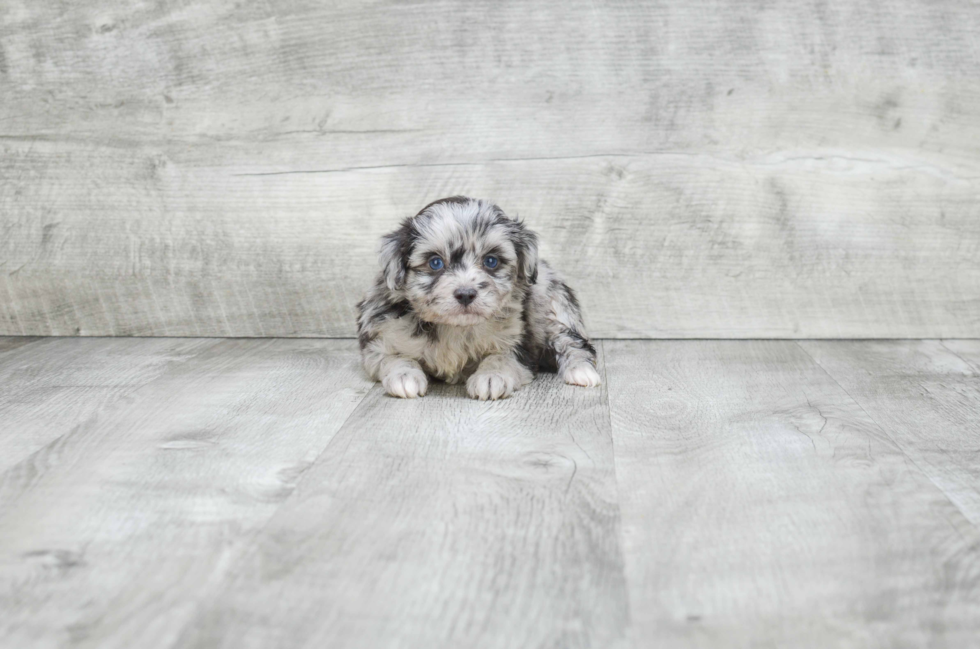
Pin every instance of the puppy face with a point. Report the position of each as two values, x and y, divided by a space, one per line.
459 260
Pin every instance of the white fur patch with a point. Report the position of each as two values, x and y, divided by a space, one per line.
582 374
405 381
497 378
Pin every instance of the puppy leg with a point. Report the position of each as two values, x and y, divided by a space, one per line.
566 335
402 377
497 377
583 374
576 359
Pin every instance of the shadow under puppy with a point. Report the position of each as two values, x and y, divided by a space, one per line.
462 295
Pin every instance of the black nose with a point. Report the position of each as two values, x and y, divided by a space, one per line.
464 295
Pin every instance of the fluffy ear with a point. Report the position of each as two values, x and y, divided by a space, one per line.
396 248
526 245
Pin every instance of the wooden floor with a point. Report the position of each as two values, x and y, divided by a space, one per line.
263 493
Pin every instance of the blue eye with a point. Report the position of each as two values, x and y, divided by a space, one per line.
490 261
436 263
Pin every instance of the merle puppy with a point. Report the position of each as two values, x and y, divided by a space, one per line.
462 295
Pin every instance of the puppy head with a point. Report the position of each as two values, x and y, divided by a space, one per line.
459 260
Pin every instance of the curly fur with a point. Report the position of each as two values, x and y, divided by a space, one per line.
523 318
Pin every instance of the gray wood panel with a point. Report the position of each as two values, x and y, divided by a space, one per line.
761 506
967 350
260 493
8 343
441 522
699 169
927 395
54 385
125 522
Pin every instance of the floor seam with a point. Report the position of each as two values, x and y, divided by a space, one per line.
24 341
247 541
7 473
887 434
302 474
942 343
620 536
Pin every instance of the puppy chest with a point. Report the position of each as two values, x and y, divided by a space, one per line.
458 350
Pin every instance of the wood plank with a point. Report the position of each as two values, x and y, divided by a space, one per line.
466 78
681 245
763 507
967 350
926 394
441 522
699 169
8 343
110 534
50 387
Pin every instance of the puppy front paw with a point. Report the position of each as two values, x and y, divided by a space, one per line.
491 385
406 383
582 374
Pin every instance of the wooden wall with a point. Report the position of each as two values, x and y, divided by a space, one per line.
705 168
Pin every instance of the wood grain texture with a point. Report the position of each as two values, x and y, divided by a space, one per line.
927 395
8 343
244 493
700 169
762 506
112 534
54 385
441 522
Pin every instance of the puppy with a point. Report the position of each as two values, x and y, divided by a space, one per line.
463 296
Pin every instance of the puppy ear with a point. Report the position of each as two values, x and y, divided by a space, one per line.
396 248
526 245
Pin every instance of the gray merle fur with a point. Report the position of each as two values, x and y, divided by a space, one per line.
412 324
